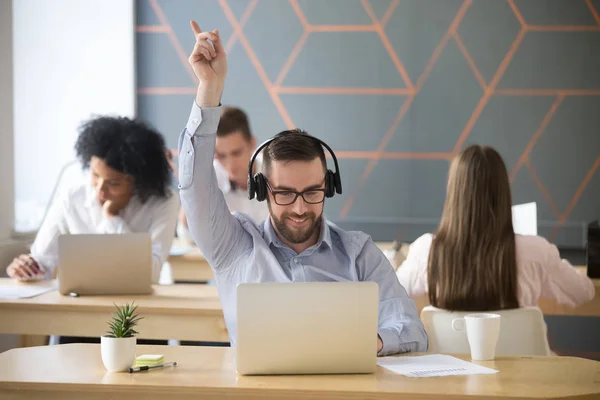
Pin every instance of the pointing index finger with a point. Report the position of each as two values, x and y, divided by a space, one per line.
195 27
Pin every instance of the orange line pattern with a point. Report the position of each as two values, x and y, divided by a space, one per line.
525 155
542 189
256 62
593 11
389 12
343 90
370 155
173 38
342 28
490 90
152 29
563 28
386 43
290 61
470 61
547 92
300 14
405 106
582 186
245 16
517 13
276 88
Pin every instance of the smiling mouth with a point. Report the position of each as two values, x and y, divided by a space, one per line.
298 221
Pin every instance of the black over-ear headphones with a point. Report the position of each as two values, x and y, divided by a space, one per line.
257 185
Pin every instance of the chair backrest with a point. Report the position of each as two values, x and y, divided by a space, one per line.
522 332
69 175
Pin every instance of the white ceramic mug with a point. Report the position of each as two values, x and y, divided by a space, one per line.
482 333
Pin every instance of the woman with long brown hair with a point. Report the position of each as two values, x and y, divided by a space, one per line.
475 262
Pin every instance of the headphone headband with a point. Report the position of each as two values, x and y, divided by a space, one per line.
336 175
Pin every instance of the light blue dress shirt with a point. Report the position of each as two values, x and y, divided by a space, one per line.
242 251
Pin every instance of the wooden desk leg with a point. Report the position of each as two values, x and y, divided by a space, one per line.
33 340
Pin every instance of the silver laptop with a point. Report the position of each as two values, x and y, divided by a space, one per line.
306 328
97 264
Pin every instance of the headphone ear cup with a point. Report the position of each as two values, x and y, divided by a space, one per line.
260 186
251 188
329 184
338 182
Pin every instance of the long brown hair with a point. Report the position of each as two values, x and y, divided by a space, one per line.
472 262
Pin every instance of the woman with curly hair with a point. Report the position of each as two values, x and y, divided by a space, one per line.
128 191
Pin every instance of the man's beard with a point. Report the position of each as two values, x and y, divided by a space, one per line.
296 236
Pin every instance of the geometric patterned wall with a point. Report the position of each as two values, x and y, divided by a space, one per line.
397 88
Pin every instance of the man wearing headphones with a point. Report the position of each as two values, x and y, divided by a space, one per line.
295 243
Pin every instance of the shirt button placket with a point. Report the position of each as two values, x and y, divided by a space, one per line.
296 267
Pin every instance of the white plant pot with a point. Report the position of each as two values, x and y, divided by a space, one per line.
118 354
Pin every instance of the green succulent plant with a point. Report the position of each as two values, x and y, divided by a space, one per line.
123 322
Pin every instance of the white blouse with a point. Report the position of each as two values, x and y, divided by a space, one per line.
540 272
77 211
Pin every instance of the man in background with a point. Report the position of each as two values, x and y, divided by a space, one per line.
233 150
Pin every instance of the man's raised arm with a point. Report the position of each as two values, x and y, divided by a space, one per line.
217 233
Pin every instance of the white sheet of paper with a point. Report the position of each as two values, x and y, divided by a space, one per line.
524 218
23 291
179 250
432 365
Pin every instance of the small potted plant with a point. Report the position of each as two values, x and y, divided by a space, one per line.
117 347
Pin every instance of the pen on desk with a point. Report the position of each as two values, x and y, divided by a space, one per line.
147 367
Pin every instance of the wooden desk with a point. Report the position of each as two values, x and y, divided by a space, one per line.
549 306
184 312
190 266
193 267
75 371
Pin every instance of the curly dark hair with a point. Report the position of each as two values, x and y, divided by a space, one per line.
128 146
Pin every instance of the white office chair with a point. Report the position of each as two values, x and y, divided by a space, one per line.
522 332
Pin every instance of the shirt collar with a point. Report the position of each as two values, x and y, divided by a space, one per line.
225 186
270 235
325 236
90 196
230 186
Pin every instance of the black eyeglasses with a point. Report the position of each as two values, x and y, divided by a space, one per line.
287 197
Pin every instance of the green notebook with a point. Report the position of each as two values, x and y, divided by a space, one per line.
149 360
